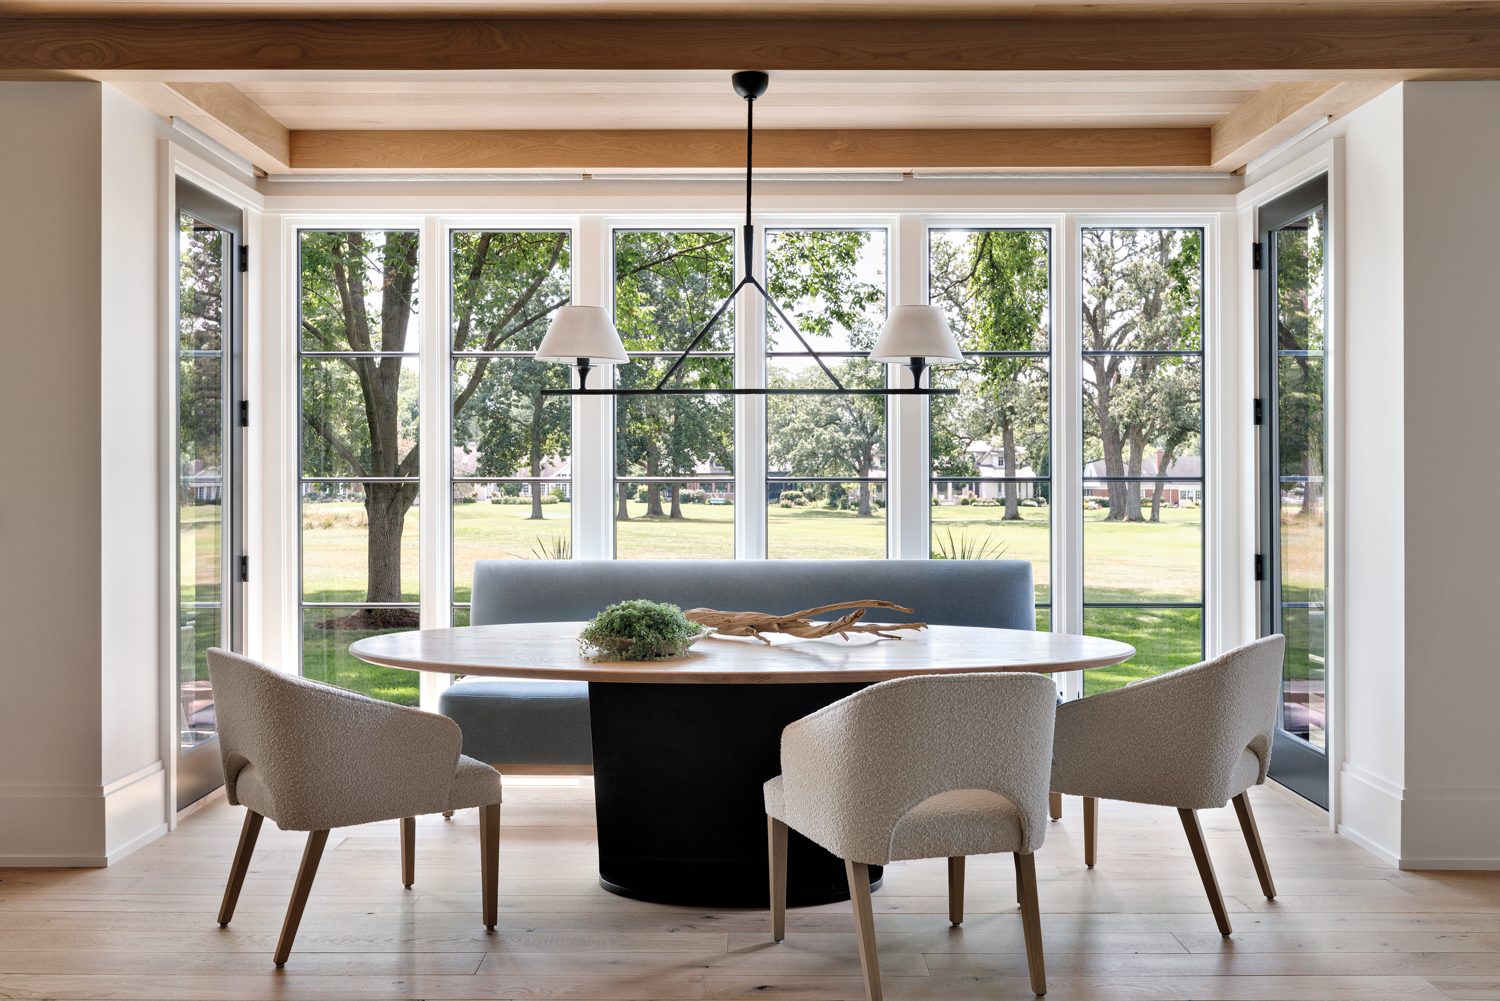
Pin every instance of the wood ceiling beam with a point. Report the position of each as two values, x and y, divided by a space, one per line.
221 112
1280 111
775 149
39 48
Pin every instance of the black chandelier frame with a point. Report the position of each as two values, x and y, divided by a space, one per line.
750 84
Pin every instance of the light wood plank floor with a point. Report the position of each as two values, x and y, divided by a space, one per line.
1346 927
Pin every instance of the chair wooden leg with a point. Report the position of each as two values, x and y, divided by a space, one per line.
1054 805
248 834
1031 922
447 814
489 862
956 889
1205 868
864 926
311 855
408 851
1090 830
1252 839
776 836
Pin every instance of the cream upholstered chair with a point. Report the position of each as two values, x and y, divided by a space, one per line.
937 766
1194 739
312 757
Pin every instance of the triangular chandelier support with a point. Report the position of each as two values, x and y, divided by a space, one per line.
749 84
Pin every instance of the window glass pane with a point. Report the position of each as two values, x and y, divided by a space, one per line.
343 559
975 527
1144 560
201 375
359 419
1164 639
668 285
994 286
1044 620
1143 444
832 285
506 288
326 635
823 521
1300 472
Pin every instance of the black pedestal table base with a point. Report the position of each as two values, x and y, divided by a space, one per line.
678 771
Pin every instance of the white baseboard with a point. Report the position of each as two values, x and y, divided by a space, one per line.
1369 846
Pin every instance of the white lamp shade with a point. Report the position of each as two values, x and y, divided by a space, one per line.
917 332
582 332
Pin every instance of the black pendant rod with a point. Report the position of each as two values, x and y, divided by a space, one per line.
749 85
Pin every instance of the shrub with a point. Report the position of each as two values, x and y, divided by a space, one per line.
784 503
792 495
470 499
557 494
965 501
1028 502
638 630
690 496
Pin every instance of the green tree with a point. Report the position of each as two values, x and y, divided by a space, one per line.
1299 331
507 285
667 286
358 295
994 285
833 435
1142 292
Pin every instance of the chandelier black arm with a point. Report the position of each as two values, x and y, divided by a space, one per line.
702 333
793 328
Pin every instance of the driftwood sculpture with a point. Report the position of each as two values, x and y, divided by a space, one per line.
799 624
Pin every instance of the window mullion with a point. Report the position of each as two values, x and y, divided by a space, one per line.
750 411
593 416
434 525
908 512
1067 441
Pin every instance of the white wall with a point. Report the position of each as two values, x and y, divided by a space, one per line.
1452 352
51 628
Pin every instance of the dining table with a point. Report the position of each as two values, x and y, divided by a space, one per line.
683 746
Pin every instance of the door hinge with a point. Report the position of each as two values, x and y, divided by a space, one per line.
245 569
244 413
245 257
1255 413
1260 567
1254 257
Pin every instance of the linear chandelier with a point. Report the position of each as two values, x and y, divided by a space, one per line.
585 336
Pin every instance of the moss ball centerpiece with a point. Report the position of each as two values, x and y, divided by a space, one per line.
638 630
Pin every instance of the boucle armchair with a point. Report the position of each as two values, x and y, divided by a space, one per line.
926 767
1192 739
312 758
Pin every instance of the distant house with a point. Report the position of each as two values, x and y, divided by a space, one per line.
466 464
1172 494
990 461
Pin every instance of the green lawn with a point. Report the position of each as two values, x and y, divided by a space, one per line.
1130 562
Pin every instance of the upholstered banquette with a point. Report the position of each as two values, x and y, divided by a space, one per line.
518 723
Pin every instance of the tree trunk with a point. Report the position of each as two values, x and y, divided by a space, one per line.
1310 490
1110 441
1008 447
1161 484
864 488
536 454
676 489
386 505
1132 510
653 490
623 514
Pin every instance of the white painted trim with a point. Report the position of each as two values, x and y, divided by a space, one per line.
908 418
176 161
750 371
435 466
1344 831
593 416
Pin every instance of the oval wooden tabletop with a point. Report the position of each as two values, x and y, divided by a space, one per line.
550 650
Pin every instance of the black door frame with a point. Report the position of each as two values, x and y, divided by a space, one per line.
1295 763
199 769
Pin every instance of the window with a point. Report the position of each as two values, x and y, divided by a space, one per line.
674 454
359 490
825 455
991 446
512 446
1143 447
210 466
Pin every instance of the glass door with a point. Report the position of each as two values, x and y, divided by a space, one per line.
209 467
1293 480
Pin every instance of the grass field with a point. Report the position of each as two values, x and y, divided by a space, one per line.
1122 563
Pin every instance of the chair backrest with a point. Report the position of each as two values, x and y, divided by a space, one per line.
994 593
1188 729
881 751
328 757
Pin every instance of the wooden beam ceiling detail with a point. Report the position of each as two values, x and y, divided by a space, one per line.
36 48
223 113
1279 112
775 149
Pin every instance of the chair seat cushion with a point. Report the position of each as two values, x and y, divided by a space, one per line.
958 822
522 722
474 784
